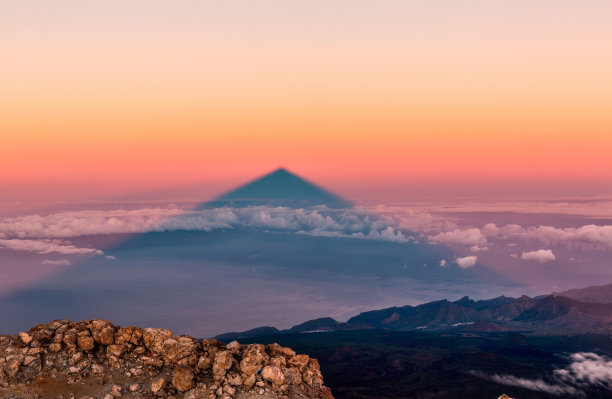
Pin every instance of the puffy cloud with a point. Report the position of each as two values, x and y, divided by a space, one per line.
541 255
588 237
60 262
472 236
465 262
47 247
443 263
587 368
110 257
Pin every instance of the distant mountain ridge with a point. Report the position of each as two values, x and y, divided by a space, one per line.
552 313
593 293
278 188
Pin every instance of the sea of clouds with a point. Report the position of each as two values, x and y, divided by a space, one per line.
51 233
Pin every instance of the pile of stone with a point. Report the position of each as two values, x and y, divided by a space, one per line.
96 359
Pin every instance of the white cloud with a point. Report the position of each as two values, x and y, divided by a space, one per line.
541 255
587 368
534 384
588 237
443 263
61 262
465 262
471 236
110 257
319 221
392 225
47 247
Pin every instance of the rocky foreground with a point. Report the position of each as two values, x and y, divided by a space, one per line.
96 359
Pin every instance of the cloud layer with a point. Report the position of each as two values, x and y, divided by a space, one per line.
395 225
35 232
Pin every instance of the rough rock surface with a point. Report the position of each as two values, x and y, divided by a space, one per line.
96 359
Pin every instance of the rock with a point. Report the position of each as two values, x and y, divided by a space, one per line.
234 379
43 335
249 382
86 342
275 349
155 337
139 360
223 362
11 368
204 363
97 369
151 361
54 325
299 361
55 347
233 346
228 389
29 360
253 358
116 350
182 378
25 338
278 361
70 340
158 385
107 335
169 350
98 325
273 374
116 391
292 376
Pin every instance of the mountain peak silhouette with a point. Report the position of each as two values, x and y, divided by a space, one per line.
278 188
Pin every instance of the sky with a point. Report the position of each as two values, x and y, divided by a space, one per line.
108 98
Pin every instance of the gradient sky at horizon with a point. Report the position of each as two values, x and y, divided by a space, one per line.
134 95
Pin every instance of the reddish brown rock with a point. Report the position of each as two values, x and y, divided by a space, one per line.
107 335
25 338
223 362
86 342
274 375
182 378
95 355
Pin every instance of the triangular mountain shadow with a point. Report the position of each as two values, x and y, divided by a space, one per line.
278 188
206 281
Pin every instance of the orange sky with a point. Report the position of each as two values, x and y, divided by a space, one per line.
161 93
